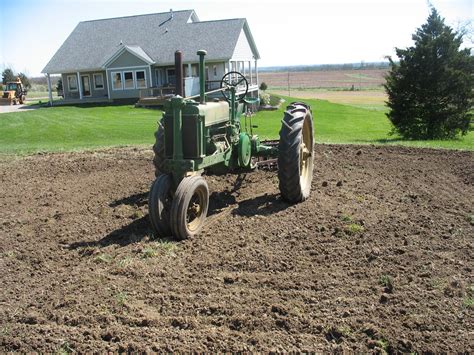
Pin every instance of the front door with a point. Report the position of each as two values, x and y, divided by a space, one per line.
86 85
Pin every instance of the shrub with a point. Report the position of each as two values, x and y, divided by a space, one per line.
263 86
264 99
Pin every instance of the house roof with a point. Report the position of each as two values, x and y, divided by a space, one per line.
153 37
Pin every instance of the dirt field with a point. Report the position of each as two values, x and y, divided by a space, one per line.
379 258
365 78
368 99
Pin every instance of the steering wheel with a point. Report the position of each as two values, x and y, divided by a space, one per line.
234 79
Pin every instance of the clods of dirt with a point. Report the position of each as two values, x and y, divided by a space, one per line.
382 261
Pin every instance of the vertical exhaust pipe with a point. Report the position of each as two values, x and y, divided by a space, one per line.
178 68
202 81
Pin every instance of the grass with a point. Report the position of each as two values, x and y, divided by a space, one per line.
103 258
354 228
337 123
470 219
386 281
121 298
69 128
468 302
346 218
148 252
167 246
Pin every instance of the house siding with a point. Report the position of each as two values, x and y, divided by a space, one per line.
242 50
95 93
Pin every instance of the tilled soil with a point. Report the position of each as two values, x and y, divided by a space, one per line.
380 258
344 78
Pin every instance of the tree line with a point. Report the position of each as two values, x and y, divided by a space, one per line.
8 75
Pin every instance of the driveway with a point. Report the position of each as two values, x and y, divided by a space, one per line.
17 108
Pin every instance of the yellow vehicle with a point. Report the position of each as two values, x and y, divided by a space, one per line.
13 93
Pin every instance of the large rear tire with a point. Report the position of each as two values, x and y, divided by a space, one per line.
159 150
295 158
159 205
189 207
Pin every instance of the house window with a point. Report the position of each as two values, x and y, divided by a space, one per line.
141 81
98 81
171 76
214 69
128 80
117 81
72 82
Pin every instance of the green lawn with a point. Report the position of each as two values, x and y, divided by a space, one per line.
337 123
86 127
75 128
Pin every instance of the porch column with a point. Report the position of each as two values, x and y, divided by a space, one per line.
50 94
151 77
108 83
250 68
79 85
256 71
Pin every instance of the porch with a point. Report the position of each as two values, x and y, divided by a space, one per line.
88 100
157 96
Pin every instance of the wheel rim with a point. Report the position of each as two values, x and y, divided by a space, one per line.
305 154
194 212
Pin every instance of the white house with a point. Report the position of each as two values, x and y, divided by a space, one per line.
124 57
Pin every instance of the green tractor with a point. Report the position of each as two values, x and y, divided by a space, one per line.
196 137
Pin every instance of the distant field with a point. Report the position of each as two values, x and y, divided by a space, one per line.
336 79
39 94
367 99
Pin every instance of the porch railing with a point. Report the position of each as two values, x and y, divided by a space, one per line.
157 92
163 91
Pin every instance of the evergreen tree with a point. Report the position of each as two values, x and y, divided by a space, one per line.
59 85
430 91
7 75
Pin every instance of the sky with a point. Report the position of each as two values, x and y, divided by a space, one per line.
290 32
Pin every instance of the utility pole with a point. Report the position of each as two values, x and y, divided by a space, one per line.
289 90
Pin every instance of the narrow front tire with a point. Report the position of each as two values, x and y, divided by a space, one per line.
189 207
159 205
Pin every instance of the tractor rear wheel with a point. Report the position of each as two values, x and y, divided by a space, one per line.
295 157
159 150
159 205
189 207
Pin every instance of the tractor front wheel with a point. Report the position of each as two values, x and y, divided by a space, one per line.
159 205
295 157
22 99
189 207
